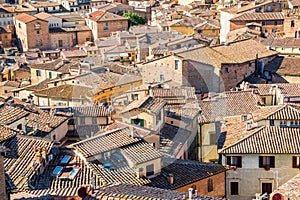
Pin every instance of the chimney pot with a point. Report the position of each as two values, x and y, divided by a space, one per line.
190 193
171 179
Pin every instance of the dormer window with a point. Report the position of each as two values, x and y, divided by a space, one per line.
37 26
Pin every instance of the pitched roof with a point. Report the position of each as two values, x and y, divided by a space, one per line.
20 164
43 15
6 133
120 175
101 15
44 121
122 191
140 152
10 114
281 112
258 16
25 18
290 189
267 140
90 111
64 91
286 66
105 142
148 103
287 89
229 104
173 139
185 172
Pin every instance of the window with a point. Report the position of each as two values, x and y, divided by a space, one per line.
158 117
296 161
20 25
162 78
234 161
213 30
82 120
50 74
60 43
272 123
263 23
54 137
19 127
210 185
234 188
59 75
267 161
94 120
38 73
199 31
275 23
266 188
105 26
176 64
268 8
149 170
37 26
292 23
37 32
226 70
212 138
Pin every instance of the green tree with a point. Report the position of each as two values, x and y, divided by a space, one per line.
134 19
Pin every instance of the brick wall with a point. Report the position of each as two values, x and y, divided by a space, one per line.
113 26
270 25
201 76
35 36
202 186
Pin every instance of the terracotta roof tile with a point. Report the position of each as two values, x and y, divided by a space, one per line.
25 18
267 140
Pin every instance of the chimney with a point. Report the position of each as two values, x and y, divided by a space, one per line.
171 179
132 131
190 193
92 134
44 153
139 173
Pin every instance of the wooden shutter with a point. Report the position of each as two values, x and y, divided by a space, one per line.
228 160
239 161
261 161
272 161
295 162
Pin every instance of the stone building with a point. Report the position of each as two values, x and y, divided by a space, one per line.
209 69
262 150
104 23
32 32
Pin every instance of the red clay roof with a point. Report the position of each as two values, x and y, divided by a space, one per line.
25 18
101 15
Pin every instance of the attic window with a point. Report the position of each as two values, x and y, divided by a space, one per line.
37 26
105 16
292 23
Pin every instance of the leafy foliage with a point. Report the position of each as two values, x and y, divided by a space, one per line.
134 19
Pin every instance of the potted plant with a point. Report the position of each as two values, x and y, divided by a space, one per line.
233 168
267 167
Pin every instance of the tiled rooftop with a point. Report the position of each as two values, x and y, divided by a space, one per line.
185 172
90 111
266 140
148 103
124 191
18 163
105 142
230 104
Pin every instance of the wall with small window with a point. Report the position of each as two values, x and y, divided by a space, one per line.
213 186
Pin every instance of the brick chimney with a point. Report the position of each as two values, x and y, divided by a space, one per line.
171 179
